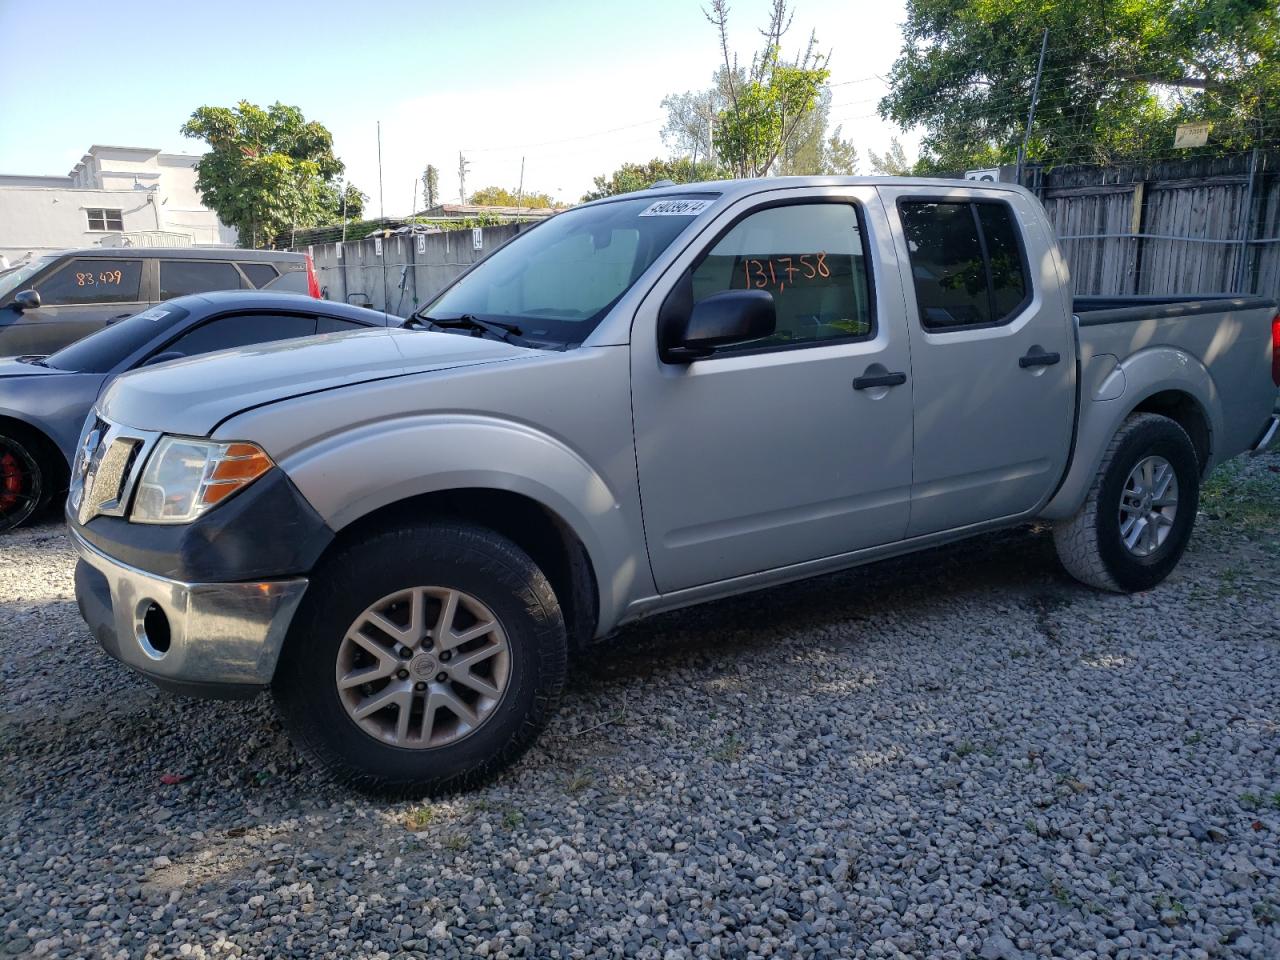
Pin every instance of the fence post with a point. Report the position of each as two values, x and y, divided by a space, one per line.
1137 225
1243 282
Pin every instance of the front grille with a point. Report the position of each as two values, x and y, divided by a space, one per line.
105 470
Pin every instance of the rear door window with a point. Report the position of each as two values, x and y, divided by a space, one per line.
181 277
293 282
241 330
92 281
259 274
967 264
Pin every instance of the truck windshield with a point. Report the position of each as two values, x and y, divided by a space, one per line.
557 282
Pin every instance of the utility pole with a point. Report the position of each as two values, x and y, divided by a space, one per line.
462 178
1035 97
520 188
382 210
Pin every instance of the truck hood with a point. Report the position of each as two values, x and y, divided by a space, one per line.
193 396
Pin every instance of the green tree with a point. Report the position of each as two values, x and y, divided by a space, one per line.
333 203
430 186
893 162
764 110
267 171
502 197
640 176
814 151
1118 76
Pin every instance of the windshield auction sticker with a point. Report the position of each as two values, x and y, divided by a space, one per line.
675 208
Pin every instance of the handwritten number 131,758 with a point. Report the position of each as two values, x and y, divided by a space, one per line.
779 271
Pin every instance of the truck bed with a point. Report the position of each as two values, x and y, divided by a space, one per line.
1229 341
1096 310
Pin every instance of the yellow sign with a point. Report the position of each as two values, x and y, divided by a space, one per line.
1191 135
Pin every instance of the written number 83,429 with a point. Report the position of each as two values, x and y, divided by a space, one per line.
779 271
109 277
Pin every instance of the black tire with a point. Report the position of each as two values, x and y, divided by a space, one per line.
26 484
455 555
1090 545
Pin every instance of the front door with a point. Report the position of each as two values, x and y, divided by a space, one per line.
81 296
992 357
771 453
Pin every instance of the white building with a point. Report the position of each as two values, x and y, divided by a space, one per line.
115 196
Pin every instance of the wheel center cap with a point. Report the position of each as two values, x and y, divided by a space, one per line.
423 666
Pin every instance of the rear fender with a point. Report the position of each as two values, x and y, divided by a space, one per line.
1145 374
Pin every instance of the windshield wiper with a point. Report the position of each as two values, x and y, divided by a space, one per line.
469 321
36 360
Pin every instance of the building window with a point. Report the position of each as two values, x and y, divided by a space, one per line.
105 219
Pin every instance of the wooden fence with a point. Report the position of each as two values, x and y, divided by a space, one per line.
1206 225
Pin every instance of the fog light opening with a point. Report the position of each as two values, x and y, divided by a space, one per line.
155 637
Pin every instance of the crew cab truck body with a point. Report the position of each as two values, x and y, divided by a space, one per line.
643 403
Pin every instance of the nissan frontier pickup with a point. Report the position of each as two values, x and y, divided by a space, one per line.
643 403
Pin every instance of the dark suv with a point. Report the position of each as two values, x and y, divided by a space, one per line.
59 298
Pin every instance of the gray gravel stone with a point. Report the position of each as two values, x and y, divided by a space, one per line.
958 754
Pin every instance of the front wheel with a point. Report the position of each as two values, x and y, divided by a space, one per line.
424 659
1137 519
25 485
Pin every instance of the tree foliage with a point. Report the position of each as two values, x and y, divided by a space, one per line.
1119 75
893 162
765 104
267 171
639 176
502 197
430 186
814 151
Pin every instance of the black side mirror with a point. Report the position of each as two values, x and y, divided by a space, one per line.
25 300
731 316
164 357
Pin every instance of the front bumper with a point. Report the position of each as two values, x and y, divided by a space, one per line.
203 639
1269 436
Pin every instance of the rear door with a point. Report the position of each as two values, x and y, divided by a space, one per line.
991 356
81 296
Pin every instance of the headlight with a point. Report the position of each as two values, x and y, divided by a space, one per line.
184 478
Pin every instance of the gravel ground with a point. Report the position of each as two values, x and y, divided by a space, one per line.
958 754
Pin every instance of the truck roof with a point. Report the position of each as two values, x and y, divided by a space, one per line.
730 189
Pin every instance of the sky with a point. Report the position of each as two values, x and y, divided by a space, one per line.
574 89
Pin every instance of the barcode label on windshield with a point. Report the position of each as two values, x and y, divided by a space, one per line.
675 208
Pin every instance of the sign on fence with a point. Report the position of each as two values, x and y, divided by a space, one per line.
377 246
1191 135
477 238
422 243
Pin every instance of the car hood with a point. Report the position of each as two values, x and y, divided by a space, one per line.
12 368
193 396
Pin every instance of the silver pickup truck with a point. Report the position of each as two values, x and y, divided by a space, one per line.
642 403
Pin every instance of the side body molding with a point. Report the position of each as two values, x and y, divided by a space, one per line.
349 475
1144 374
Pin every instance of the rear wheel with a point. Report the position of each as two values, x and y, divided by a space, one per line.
423 660
1137 520
25 486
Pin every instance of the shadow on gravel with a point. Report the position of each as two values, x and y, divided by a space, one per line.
1022 559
